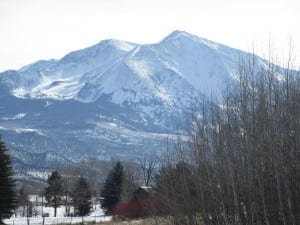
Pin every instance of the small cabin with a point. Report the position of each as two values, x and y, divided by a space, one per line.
143 193
143 203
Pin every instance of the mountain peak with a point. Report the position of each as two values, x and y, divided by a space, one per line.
181 57
122 45
186 38
176 34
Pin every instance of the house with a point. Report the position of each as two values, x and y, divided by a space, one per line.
144 192
144 203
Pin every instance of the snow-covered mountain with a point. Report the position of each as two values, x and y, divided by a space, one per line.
113 98
179 62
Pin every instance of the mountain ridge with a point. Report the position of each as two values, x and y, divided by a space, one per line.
71 61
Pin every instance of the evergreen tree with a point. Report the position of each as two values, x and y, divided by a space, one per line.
81 198
111 193
53 191
8 199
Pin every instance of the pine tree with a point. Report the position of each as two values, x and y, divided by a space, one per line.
81 198
111 193
53 191
8 199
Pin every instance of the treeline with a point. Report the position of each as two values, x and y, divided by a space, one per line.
72 191
79 189
242 162
56 194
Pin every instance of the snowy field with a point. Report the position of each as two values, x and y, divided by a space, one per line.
55 220
96 215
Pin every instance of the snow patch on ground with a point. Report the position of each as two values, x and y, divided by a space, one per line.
96 215
56 220
28 130
18 116
38 174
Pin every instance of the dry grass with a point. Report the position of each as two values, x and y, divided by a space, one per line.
146 221
142 221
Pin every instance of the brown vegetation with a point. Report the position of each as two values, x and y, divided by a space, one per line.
242 162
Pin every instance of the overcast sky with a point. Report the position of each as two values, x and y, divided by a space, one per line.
42 29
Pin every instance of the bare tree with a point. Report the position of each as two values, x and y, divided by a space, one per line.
243 156
148 165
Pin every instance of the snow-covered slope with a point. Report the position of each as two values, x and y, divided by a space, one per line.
129 72
62 79
114 97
